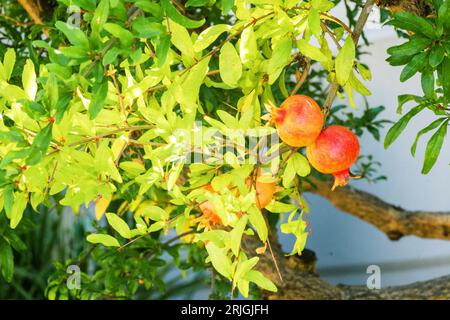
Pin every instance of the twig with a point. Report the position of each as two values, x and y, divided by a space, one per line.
132 13
302 78
162 86
228 39
274 260
356 35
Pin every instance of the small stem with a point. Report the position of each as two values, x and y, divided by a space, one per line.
356 35
274 260
303 78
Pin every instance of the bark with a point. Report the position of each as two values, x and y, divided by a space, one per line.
301 282
418 7
394 221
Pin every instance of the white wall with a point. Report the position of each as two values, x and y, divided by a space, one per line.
345 245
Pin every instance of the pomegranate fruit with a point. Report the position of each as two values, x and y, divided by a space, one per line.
334 151
265 189
298 120
209 217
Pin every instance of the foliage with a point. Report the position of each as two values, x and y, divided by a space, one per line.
427 52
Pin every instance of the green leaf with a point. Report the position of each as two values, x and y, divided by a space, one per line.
173 14
33 109
100 16
414 23
29 79
99 93
75 52
427 82
257 220
227 5
416 64
125 37
230 66
119 225
322 5
62 104
146 28
244 267
314 22
288 174
344 61
436 56
73 34
104 239
301 164
20 203
8 62
40 145
219 260
236 235
8 199
428 128
209 35
196 3
162 49
280 58
415 45
181 38
398 127
260 280
248 49
444 77
404 98
311 51
434 147
6 260
280 207
230 121
154 213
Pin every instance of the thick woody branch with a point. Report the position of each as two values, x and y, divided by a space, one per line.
417 7
392 220
301 282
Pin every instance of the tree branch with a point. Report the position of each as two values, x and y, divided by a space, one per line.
301 282
417 7
33 10
394 221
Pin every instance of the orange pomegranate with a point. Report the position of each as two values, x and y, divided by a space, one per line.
265 189
209 217
298 120
334 151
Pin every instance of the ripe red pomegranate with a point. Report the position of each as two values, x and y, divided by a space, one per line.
334 151
298 120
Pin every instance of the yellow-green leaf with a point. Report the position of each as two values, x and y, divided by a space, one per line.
104 239
344 61
230 66
119 225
